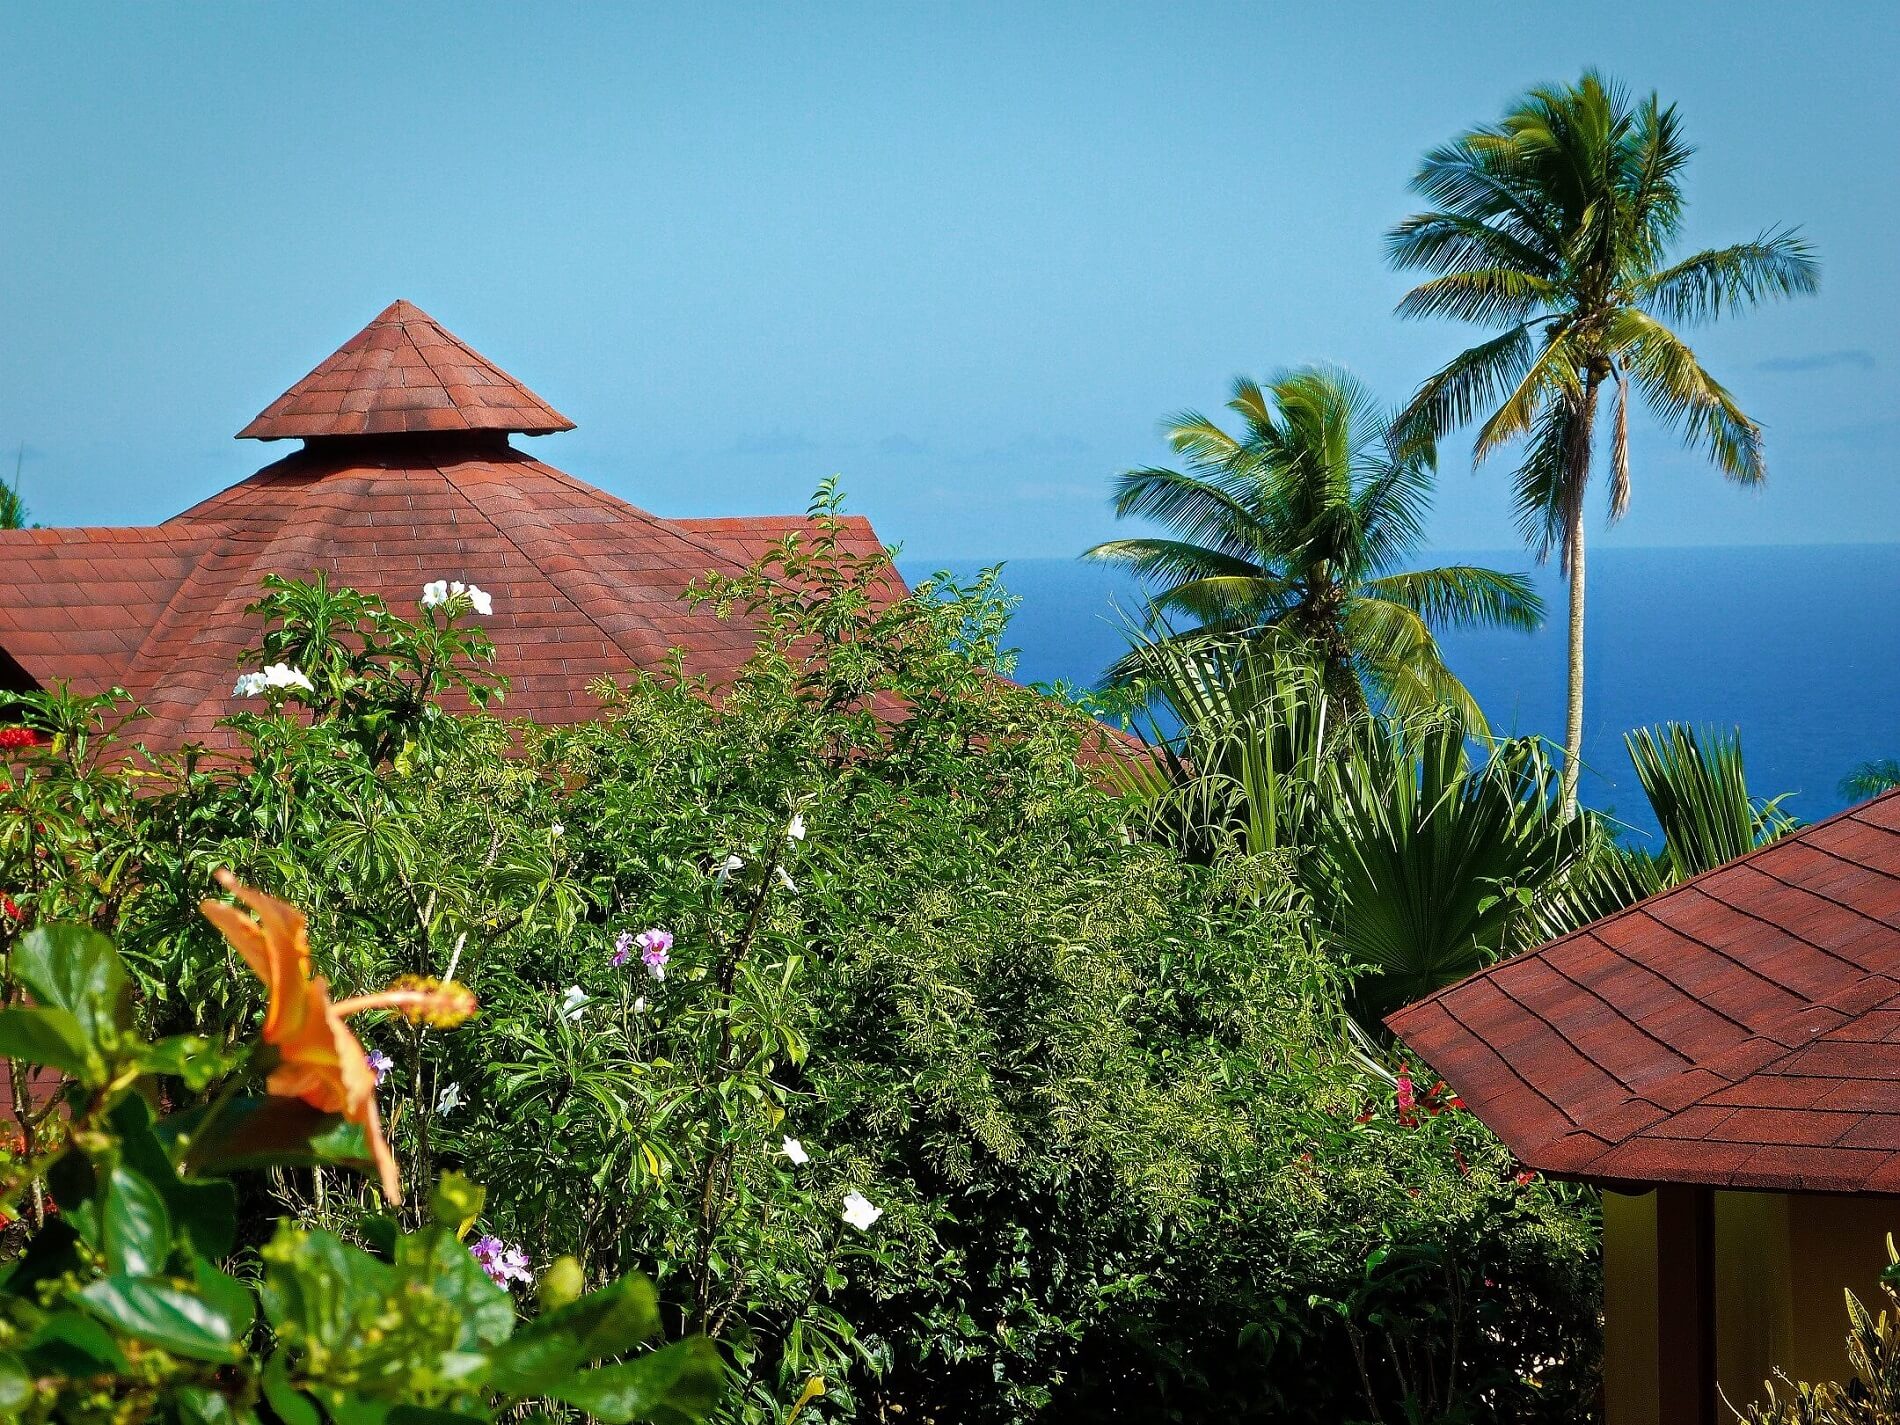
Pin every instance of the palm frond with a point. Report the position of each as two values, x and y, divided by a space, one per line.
1464 596
1233 601
1400 661
1870 779
1551 377
1620 450
1686 398
1485 296
1201 511
1726 280
1467 384
1696 787
1422 857
1540 488
1452 243
1171 560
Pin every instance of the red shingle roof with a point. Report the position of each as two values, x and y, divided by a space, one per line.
585 585
1739 1030
403 372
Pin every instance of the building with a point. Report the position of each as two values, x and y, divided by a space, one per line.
1723 1059
405 474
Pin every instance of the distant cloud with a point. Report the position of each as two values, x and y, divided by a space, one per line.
899 445
1030 447
1853 357
777 443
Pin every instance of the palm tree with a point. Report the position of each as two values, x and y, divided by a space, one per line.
1296 527
1555 226
1870 779
12 507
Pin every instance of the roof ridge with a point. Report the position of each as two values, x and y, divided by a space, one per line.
580 606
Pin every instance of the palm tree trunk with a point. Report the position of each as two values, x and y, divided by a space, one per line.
1576 480
1573 706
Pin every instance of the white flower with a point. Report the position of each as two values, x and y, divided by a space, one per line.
437 592
785 880
726 869
449 1099
249 685
796 831
558 829
795 1150
859 1212
640 1005
574 1002
282 675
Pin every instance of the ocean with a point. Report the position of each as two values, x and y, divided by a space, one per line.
1798 646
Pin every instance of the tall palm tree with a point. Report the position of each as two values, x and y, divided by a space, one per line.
1556 225
1297 526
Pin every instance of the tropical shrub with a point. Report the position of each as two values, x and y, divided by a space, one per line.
914 1072
1420 853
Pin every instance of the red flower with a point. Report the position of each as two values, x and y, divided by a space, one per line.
9 910
1525 1178
1408 1099
16 737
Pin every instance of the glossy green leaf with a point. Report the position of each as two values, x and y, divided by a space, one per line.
202 1211
16 1386
315 1282
610 1322
51 1037
75 968
67 1343
274 1132
486 1312
293 1407
136 1225
200 1405
675 1385
165 1315
195 1060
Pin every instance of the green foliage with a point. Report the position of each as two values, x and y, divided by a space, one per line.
1699 793
1297 526
127 1302
1128 1154
1417 862
13 511
1697 789
1870 779
1870 1395
1425 862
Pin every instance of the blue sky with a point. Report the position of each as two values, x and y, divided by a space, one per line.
967 257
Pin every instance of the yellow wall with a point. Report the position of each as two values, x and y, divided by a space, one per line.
1629 1309
1781 1264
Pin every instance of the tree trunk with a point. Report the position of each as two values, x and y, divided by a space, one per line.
1576 481
1573 708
